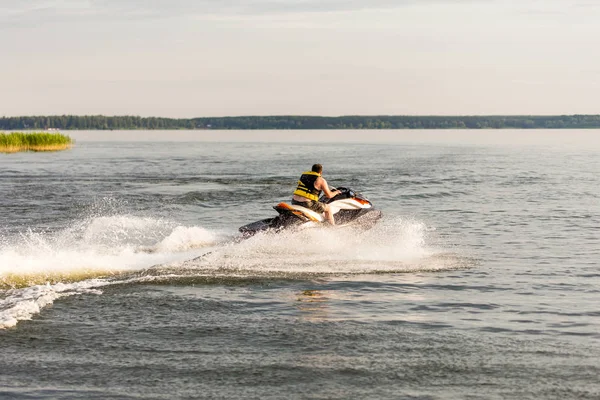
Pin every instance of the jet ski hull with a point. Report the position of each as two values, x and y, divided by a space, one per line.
350 209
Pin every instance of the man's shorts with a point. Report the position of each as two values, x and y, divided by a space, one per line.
311 205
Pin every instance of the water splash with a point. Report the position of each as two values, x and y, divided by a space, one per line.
97 246
393 246
186 238
21 304
42 267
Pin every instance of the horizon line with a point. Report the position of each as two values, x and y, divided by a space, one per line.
308 115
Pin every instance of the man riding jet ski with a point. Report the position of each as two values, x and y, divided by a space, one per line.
340 206
310 185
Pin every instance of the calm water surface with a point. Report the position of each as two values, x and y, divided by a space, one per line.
122 274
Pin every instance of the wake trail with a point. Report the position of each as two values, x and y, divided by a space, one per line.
39 268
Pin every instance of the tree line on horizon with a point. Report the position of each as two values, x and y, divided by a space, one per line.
101 122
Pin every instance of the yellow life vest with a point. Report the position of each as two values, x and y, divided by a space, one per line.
306 186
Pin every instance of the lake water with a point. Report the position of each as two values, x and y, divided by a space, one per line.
122 275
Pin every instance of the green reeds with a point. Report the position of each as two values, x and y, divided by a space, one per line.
34 141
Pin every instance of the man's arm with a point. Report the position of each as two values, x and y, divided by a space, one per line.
321 184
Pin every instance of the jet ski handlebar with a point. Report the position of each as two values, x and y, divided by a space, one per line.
345 193
345 190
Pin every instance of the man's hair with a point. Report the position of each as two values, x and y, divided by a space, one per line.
318 168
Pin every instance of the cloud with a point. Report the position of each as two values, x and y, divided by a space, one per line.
19 13
60 10
116 9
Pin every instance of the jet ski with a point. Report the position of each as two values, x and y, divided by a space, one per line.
348 207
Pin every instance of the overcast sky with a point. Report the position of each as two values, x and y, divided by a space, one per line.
194 58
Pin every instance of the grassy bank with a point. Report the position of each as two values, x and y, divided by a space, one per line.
34 141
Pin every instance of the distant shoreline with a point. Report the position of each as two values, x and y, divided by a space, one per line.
282 122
